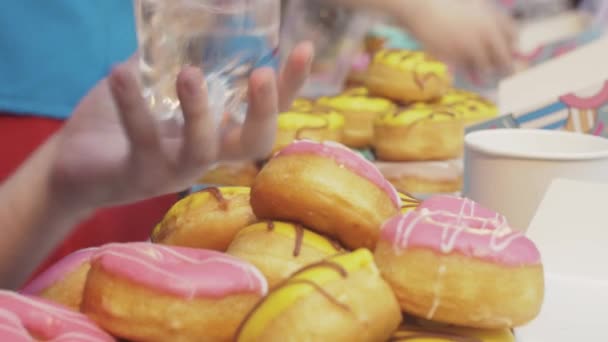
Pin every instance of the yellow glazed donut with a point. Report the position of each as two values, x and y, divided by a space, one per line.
231 174
341 299
356 91
407 76
302 105
418 330
455 262
328 188
150 292
63 282
317 126
278 249
426 177
208 219
359 112
408 202
470 106
419 132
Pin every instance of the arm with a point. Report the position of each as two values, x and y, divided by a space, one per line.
471 34
33 218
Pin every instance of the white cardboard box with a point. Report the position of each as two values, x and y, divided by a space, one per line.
571 231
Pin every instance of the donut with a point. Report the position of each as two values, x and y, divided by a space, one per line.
408 202
150 292
455 262
327 188
356 91
407 76
208 219
418 330
341 299
359 112
278 249
317 126
426 177
63 282
473 108
419 133
24 319
233 173
302 105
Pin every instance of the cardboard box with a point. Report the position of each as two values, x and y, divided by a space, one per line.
571 232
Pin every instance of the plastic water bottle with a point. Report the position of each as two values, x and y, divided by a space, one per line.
226 38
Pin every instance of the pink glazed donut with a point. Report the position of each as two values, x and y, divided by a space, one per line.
453 261
328 188
63 282
148 292
25 319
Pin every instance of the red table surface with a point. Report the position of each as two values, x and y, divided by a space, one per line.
20 136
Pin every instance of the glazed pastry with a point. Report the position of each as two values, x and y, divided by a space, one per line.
231 174
149 292
340 299
470 106
356 91
359 112
63 282
417 133
317 126
455 262
25 319
430 177
278 249
328 188
408 202
418 330
302 105
407 76
207 219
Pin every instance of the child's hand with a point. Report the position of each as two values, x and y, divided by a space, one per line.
111 151
471 34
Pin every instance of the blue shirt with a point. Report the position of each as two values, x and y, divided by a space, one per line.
52 52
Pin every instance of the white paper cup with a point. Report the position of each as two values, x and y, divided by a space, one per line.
509 170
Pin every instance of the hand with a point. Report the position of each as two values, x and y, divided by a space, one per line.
111 151
471 34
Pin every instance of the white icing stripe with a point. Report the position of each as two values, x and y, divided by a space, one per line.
254 276
437 288
58 313
501 236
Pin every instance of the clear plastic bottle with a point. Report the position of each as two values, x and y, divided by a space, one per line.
226 38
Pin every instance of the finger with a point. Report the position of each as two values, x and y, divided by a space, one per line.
137 121
294 74
508 28
199 132
500 51
256 137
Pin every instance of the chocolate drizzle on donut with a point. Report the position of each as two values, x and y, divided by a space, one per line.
332 265
221 200
270 225
322 292
299 237
410 334
327 264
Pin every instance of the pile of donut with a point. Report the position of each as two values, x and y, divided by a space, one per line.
321 248
406 112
